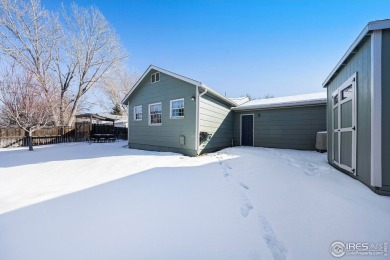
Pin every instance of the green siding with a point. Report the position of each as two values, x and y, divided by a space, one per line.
360 63
165 137
215 118
288 128
385 108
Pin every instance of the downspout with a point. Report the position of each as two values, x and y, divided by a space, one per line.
198 96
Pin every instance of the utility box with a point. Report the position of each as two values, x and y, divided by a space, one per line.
182 140
321 142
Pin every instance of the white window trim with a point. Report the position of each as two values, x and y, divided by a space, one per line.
149 122
151 77
170 109
135 119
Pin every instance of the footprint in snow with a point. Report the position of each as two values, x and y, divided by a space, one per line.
244 185
276 247
246 205
313 170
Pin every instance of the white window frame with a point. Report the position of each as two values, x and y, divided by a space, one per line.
135 118
155 74
170 110
149 121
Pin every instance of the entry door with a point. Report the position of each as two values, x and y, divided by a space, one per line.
344 125
247 130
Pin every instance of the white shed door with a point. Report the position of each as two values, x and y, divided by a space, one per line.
344 125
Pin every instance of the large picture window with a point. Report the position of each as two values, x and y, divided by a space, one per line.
138 113
177 108
155 111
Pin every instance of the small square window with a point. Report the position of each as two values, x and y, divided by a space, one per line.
336 100
155 77
138 113
177 108
346 93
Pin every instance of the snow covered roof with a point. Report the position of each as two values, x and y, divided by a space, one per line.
289 101
240 100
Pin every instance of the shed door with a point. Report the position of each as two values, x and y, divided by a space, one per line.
344 126
247 130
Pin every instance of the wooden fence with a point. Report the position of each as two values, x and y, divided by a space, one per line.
54 135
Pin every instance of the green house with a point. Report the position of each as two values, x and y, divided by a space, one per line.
170 112
358 110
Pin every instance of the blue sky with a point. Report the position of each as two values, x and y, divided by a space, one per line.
238 47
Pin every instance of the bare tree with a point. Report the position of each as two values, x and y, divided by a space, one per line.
115 87
92 50
23 104
28 34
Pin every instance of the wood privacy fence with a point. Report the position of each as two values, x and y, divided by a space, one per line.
80 132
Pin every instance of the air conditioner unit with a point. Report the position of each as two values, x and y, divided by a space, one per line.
321 141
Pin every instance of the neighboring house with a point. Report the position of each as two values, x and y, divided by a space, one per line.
358 110
170 112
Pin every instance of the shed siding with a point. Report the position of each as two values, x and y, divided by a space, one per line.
165 137
386 108
215 118
288 128
360 63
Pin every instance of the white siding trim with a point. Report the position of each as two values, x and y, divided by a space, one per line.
197 120
376 108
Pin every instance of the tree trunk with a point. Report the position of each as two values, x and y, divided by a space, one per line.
30 142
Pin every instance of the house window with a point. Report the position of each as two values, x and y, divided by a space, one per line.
138 113
155 114
155 77
177 108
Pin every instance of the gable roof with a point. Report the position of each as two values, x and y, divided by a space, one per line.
289 101
371 26
183 78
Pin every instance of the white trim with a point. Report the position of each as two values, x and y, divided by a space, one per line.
170 108
149 122
376 108
134 114
351 81
253 128
371 26
198 97
155 76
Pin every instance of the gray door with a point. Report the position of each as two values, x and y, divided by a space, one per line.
344 126
247 130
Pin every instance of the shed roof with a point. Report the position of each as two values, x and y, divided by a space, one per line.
289 101
95 116
175 75
371 26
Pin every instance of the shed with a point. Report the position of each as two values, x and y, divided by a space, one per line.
358 88
284 122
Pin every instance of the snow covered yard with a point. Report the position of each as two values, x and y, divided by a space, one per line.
104 201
